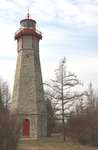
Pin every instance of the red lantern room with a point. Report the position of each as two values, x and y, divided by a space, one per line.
27 28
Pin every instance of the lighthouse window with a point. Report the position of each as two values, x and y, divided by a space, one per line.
27 41
20 43
27 24
33 42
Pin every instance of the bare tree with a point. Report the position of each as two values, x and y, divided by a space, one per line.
50 114
6 96
62 94
9 126
91 97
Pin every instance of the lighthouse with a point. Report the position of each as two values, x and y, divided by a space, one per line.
28 95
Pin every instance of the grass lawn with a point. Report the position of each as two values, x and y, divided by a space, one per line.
52 143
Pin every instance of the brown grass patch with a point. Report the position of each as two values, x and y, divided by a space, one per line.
52 143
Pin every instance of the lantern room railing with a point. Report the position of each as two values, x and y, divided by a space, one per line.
35 30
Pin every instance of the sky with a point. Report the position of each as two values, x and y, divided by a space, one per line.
69 28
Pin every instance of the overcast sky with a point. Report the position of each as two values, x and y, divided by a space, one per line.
69 27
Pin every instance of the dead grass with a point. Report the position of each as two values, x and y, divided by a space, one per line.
53 143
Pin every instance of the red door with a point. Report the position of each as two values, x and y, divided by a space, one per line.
26 128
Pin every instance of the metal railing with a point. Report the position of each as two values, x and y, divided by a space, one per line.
37 31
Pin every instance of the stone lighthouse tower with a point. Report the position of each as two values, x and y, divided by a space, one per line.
28 95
